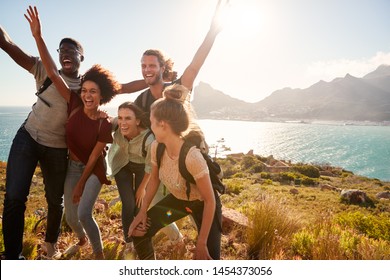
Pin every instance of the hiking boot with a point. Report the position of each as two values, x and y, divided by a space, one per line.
51 250
129 252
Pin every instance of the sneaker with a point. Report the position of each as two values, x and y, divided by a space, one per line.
74 249
176 241
129 252
3 257
51 250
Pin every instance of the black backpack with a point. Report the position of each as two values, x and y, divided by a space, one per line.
144 152
215 170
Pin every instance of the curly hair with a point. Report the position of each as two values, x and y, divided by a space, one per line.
108 85
164 61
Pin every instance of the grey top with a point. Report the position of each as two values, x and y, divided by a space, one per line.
46 125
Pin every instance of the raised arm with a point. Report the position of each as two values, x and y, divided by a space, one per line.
18 55
47 60
192 70
133 86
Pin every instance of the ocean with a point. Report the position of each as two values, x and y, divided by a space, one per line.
362 149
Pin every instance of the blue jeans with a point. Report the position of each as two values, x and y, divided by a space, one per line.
79 216
128 179
24 156
178 209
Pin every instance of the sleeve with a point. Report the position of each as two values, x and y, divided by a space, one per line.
39 72
148 159
196 164
74 102
105 135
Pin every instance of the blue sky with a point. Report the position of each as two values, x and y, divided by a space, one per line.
266 45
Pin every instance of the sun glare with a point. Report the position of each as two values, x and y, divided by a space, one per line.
242 18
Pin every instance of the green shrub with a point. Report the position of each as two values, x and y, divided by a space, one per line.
247 162
265 175
377 227
287 177
306 181
238 175
234 187
268 182
308 170
260 158
302 244
256 168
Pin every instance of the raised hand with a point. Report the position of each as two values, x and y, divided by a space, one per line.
219 14
33 19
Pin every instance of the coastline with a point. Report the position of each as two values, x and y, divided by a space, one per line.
112 111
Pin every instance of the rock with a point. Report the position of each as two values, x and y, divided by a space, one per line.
327 173
114 201
232 219
354 196
294 191
101 206
384 195
328 187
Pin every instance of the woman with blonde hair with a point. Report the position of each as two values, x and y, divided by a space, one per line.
129 158
171 121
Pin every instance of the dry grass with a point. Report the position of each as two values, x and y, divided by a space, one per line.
285 224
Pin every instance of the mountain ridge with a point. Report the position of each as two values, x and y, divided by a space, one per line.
343 98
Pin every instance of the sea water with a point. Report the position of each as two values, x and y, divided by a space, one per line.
364 150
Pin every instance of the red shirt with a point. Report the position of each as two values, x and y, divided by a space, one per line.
82 134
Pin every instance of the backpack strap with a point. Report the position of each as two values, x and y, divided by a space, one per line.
144 152
42 88
144 99
183 168
159 153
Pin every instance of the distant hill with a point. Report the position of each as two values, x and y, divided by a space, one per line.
347 98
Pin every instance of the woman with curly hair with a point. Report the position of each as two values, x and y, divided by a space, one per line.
86 136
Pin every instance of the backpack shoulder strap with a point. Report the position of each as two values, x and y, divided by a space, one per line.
182 162
159 153
44 86
183 168
46 83
144 152
145 99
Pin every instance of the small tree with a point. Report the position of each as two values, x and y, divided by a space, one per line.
220 147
